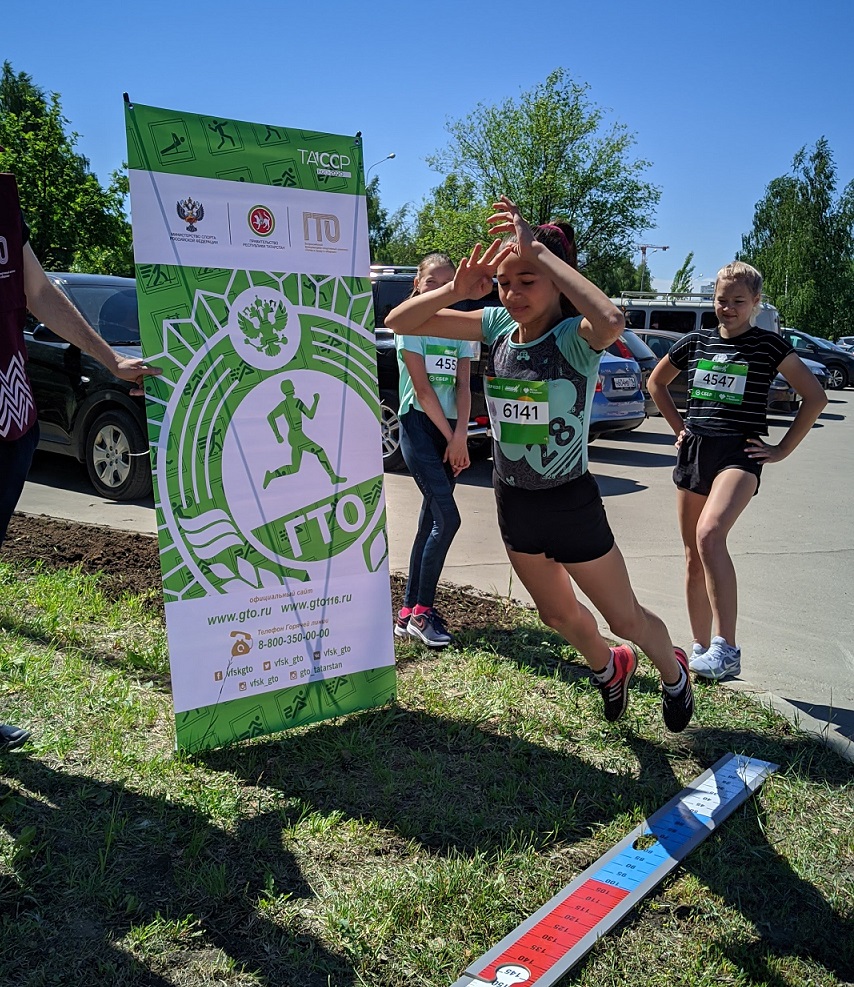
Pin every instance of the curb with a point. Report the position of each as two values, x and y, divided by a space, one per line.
822 730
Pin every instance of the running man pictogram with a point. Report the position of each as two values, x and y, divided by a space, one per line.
293 409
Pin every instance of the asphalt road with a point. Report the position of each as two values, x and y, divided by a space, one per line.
793 550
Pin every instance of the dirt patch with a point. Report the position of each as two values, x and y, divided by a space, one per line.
129 563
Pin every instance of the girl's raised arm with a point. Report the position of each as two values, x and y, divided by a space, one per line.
602 321
428 314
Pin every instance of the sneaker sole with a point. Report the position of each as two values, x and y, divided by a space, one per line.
401 632
413 632
707 673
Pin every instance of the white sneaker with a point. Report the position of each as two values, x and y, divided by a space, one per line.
697 649
719 661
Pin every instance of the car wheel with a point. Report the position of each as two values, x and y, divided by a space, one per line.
390 425
116 455
837 377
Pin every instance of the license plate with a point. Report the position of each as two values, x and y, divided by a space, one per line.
625 383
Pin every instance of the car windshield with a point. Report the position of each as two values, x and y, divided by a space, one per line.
110 309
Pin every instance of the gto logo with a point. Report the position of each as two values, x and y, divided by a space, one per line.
326 227
4 250
261 220
324 159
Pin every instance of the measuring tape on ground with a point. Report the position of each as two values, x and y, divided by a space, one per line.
544 947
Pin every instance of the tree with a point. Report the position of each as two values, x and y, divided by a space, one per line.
802 241
74 222
551 152
615 274
390 237
452 220
683 279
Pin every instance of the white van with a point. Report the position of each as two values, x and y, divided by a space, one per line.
681 312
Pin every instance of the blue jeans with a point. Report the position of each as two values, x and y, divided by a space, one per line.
423 447
15 459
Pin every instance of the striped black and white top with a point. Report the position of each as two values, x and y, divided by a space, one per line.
762 351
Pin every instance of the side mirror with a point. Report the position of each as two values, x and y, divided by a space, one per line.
45 335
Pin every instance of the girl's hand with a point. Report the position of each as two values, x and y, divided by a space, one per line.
508 219
763 452
473 278
457 454
680 437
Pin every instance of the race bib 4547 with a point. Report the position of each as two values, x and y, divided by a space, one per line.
722 382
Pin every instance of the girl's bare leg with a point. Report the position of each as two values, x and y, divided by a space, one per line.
689 506
551 589
731 492
606 583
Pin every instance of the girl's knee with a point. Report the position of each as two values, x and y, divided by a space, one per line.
630 625
711 538
560 618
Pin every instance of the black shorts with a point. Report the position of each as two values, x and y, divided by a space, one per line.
700 458
565 523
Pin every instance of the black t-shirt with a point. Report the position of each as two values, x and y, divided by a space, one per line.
17 407
729 379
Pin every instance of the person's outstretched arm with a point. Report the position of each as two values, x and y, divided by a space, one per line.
50 306
427 314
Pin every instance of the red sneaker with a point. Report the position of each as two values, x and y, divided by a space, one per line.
615 692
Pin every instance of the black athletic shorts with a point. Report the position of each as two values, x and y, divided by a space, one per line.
700 458
565 523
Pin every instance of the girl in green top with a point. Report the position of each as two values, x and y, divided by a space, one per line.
435 403
544 353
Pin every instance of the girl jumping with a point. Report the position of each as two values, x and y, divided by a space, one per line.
435 404
544 349
721 450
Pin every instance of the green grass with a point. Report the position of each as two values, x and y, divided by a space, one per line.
390 847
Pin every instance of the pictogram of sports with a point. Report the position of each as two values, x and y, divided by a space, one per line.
258 427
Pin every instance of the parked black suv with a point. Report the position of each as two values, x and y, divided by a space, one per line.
84 411
391 285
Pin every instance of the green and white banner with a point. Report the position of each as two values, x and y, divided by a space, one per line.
251 251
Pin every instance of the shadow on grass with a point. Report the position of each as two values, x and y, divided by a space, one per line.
97 860
458 787
738 863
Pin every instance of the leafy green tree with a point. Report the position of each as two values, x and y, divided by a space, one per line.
74 222
802 241
683 279
452 220
552 152
390 238
615 274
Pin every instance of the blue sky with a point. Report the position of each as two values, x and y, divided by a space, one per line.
719 103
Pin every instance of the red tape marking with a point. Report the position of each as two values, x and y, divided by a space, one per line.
556 933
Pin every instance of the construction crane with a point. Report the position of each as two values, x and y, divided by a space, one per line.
643 247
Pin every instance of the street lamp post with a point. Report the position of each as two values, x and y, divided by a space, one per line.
643 247
386 158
